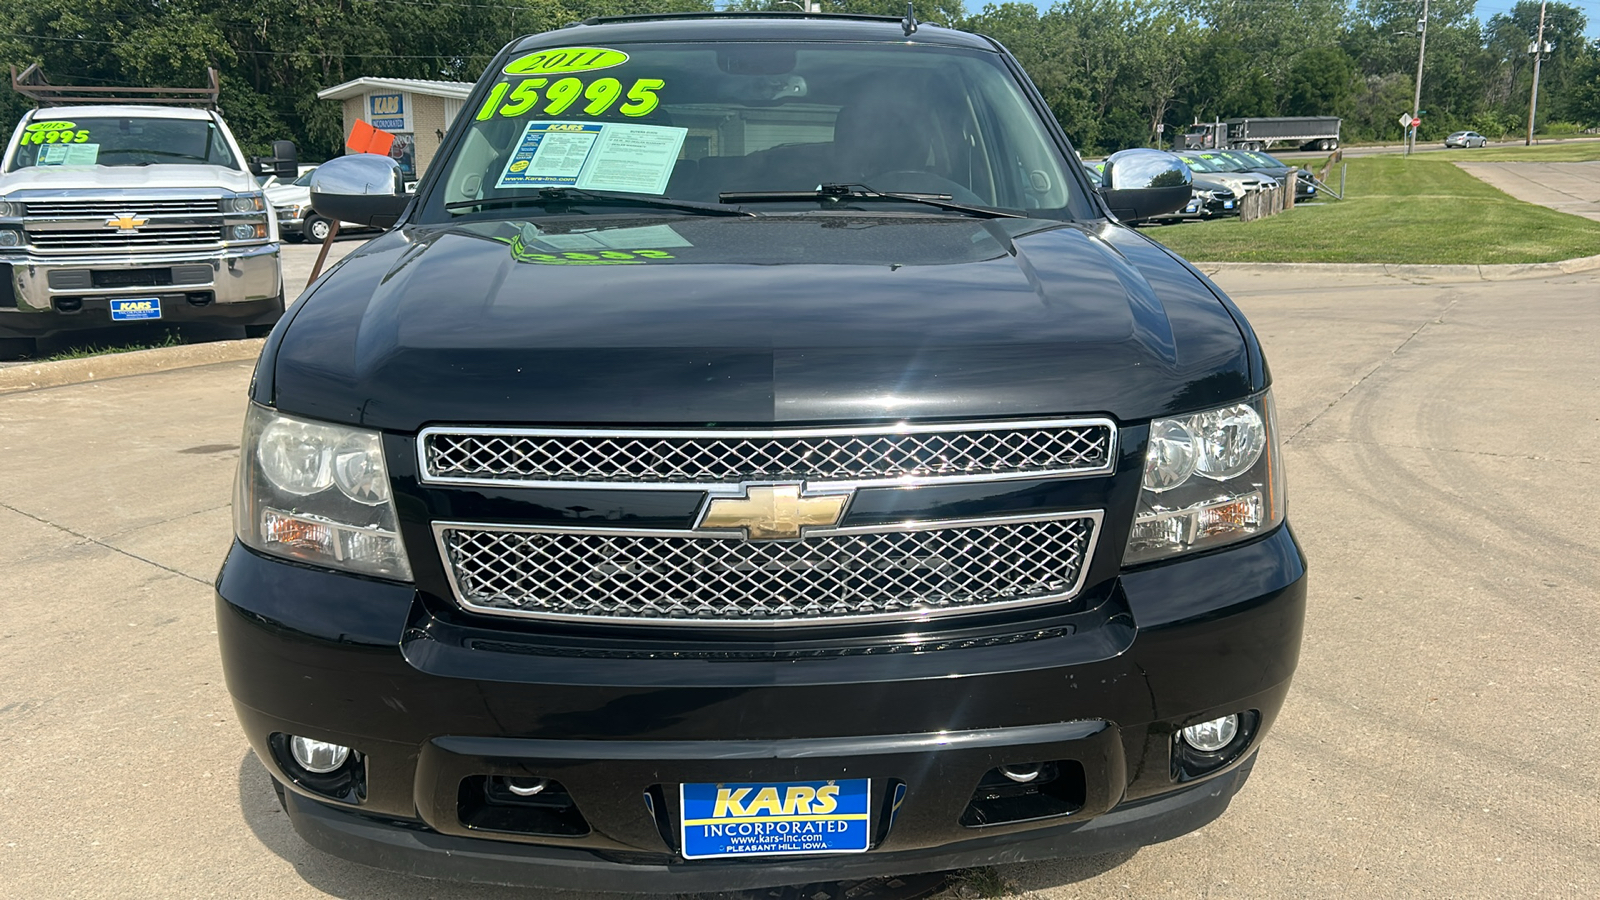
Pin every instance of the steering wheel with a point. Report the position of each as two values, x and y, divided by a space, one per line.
916 181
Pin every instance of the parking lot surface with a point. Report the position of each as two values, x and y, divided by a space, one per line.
1572 187
1438 741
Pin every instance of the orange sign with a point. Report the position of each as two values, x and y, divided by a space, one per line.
366 139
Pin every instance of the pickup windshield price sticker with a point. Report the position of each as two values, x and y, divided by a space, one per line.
68 155
599 156
770 819
562 96
564 60
54 133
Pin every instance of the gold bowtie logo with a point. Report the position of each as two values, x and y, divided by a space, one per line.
771 512
125 223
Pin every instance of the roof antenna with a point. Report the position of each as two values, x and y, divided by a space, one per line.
909 23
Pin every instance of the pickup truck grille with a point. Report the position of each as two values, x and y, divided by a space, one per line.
837 575
147 236
711 457
118 207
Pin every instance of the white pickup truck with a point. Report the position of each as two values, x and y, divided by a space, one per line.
112 214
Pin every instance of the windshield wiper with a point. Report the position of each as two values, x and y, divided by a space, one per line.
559 195
837 192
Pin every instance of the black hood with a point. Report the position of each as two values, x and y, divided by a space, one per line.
739 321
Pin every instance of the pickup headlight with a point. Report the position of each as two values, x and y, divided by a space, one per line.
1210 479
318 493
9 209
247 203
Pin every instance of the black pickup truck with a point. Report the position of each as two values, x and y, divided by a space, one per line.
756 455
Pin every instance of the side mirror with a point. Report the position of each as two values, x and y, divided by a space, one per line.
1141 184
284 161
363 188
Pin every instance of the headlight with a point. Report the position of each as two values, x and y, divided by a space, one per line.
10 237
247 232
1210 479
318 493
9 209
245 203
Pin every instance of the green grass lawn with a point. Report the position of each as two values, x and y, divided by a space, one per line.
1399 210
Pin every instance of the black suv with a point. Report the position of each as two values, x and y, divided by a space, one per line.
756 455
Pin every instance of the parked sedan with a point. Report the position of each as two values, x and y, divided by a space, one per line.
1207 164
1466 140
1266 164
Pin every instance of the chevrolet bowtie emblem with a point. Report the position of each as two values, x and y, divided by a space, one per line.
770 512
127 223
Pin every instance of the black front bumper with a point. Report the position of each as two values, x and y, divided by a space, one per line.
400 847
432 703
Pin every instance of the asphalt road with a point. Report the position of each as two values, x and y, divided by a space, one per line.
1438 741
1422 147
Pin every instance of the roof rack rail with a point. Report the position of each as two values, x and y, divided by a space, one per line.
32 84
725 14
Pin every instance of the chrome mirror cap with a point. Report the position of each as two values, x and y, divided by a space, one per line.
363 188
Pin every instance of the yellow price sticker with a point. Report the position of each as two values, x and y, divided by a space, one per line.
565 60
574 95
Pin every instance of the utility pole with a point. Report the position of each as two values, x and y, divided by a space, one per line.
1422 48
1538 54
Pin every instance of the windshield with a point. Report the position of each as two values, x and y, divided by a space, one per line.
1201 163
121 141
305 179
691 122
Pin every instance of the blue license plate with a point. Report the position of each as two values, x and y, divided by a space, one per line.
791 818
1227 204
135 309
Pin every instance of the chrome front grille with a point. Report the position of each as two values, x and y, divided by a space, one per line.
147 236
135 207
645 458
836 575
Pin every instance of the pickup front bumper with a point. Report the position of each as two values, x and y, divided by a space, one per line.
438 704
42 295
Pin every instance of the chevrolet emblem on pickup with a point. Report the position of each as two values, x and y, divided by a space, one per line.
126 223
896 508
773 511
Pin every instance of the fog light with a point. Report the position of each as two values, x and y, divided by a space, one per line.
317 757
10 237
245 232
1213 735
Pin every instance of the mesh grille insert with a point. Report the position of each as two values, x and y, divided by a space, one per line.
825 577
675 458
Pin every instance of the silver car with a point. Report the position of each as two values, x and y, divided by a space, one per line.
1466 139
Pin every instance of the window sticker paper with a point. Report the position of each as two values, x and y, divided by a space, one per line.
601 156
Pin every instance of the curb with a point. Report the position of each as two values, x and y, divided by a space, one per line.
1437 273
14 379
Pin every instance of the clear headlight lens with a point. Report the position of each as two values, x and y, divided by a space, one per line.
248 203
9 209
10 237
1210 479
318 493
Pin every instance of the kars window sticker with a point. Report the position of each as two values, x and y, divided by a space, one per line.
599 156
68 155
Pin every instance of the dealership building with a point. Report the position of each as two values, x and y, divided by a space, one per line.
416 112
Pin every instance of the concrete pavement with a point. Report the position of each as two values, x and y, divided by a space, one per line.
1438 741
1570 187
